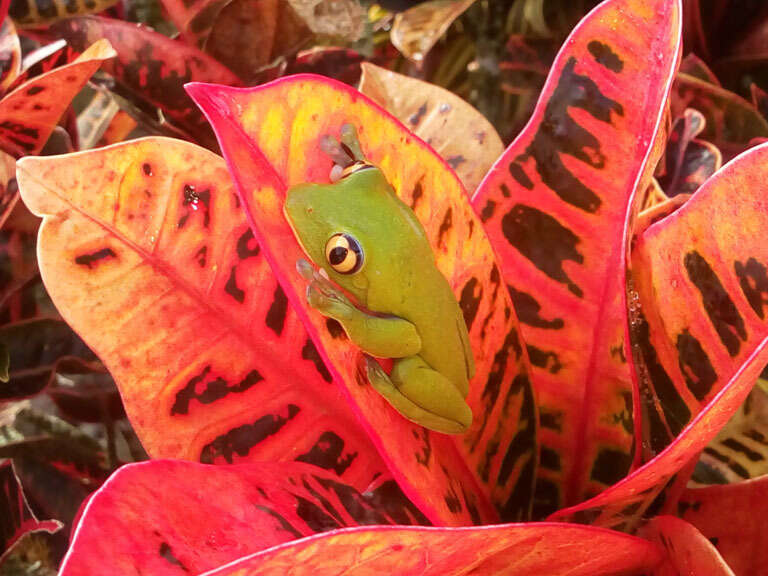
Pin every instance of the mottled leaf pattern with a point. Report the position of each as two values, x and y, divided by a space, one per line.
35 13
146 252
732 517
16 518
437 116
556 207
700 335
29 114
551 549
152 67
168 517
270 136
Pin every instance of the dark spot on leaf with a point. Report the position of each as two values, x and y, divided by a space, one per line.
605 56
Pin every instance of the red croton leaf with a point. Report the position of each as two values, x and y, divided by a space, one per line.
171 517
556 208
30 112
542 548
16 519
271 137
147 254
700 331
152 67
732 516
688 551
168 517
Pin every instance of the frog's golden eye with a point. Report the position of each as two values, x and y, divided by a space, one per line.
344 253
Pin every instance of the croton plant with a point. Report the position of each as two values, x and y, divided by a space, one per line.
611 274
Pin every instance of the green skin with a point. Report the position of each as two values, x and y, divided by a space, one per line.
411 314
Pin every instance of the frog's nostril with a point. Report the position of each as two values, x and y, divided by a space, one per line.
310 209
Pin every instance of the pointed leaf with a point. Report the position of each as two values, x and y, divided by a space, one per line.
689 162
458 132
556 207
732 517
172 517
416 30
37 13
552 549
688 551
10 54
151 67
731 121
694 66
29 114
16 519
147 254
450 479
700 331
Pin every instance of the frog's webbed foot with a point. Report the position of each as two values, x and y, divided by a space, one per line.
347 155
421 394
322 295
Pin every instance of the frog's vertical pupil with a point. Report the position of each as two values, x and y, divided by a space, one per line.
337 256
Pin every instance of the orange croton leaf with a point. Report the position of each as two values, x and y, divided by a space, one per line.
270 136
557 208
147 254
541 548
688 551
30 112
732 516
700 332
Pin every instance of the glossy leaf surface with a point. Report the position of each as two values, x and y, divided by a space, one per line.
552 549
168 517
16 518
147 254
733 518
556 207
271 136
151 66
30 112
688 551
700 331
454 129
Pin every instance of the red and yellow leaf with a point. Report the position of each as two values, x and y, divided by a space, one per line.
454 129
557 207
732 516
700 332
688 551
29 114
168 517
271 136
16 518
542 548
152 67
147 254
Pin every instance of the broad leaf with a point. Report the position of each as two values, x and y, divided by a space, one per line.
146 252
740 450
36 348
271 139
731 121
29 114
453 128
36 13
689 162
557 208
732 517
700 332
151 67
551 549
416 30
16 519
688 551
184 517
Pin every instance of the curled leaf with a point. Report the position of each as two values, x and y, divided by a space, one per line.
418 29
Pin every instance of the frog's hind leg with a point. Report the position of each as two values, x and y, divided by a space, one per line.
421 394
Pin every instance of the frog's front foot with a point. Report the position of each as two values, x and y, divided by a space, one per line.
322 295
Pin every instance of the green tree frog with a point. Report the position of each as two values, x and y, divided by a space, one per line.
367 241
